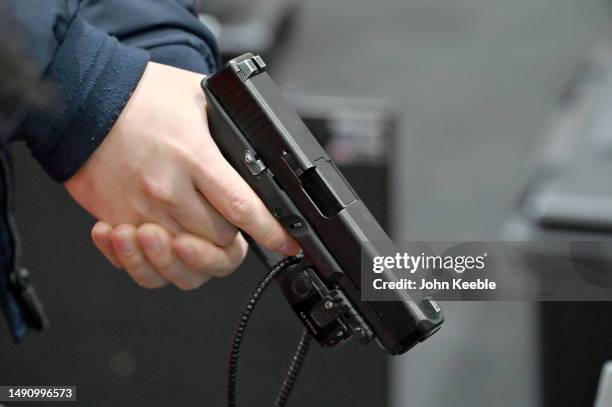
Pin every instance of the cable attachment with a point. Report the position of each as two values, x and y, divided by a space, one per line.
298 358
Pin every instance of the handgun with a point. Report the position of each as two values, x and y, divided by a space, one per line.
267 143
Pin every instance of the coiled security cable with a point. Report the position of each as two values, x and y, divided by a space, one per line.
298 357
294 369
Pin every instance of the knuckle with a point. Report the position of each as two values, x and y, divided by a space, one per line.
236 260
161 261
141 278
226 270
242 255
240 209
270 237
197 164
211 267
183 146
133 263
202 265
187 151
230 264
225 236
158 190
190 157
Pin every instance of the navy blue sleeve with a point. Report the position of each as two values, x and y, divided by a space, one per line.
93 54
169 29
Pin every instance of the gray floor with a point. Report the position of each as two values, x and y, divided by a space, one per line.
476 82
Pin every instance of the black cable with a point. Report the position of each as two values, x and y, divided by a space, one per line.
298 358
294 369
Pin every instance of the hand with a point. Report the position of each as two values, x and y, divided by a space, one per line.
153 258
159 165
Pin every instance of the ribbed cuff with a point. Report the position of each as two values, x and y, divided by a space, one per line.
93 76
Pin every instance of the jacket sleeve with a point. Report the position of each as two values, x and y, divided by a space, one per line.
93 54
169 29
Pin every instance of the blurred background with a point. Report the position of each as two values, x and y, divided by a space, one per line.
450 118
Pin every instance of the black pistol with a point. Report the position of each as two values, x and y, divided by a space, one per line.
265 140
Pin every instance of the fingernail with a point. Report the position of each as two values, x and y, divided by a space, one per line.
125 244
151 242
290 248
184 251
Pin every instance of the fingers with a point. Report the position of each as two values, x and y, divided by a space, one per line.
207 258
198 217
153 258
180 207
237 202
156 244
128 253
101 236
